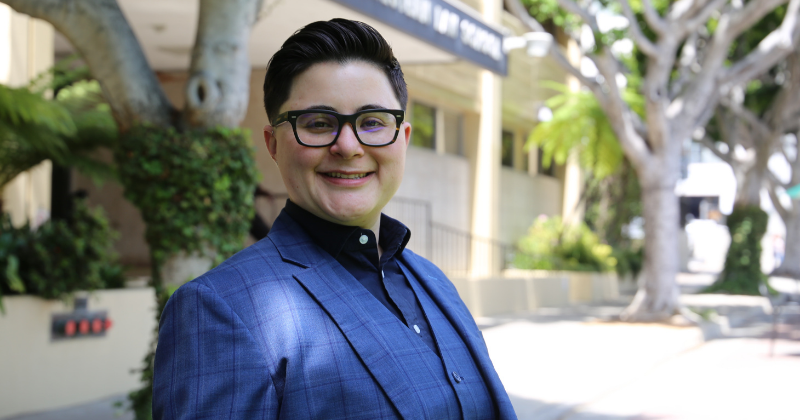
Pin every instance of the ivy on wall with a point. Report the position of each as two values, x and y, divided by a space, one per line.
742 272
194 188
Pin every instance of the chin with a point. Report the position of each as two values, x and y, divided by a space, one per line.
353 215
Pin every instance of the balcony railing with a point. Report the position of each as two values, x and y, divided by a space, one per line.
451 249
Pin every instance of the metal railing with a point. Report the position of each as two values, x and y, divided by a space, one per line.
451 249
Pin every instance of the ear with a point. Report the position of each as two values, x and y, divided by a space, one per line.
270 140
405 130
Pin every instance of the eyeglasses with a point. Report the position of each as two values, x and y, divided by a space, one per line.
320 127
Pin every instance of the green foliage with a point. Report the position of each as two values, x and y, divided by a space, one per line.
66 130
612 203
742 272
194 188
60 257
550 245
548 11
629 261
579 122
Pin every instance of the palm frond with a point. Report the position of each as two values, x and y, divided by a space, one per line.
579 123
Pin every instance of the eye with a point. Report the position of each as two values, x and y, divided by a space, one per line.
316 122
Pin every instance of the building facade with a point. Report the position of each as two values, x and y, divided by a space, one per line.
470 188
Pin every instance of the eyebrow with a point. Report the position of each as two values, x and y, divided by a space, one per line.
361 108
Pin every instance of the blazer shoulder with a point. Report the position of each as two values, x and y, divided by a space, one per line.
430 269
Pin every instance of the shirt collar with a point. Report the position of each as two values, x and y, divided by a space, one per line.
332 237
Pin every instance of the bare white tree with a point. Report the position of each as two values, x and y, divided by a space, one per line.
218 88
783 120
675 107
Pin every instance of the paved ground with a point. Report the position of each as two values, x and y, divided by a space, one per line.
573 364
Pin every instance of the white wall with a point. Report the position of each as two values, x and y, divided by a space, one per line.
26 49
523 198
39 374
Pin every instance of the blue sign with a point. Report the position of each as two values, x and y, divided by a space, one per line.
439 23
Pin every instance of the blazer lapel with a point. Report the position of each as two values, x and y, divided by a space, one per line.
460 318
340 295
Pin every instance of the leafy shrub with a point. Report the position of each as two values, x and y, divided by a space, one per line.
61 257
629 261
550 245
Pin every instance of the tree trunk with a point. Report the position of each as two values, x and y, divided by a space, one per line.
99 31
657 298
790 267
218 89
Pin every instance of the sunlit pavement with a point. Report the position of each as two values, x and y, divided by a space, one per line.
570 364
573 364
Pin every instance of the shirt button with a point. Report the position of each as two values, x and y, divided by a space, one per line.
416 328
457 377
363 239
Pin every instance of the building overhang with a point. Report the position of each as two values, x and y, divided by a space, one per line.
419 31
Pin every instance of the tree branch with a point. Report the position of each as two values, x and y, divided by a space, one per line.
519 11
644 44
748 116
702 16
688 57
100 32
752 12
774 47
709 144
775 182
651 16
218 89
623 120
776 201
574 8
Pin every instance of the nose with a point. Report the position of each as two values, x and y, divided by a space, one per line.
347 145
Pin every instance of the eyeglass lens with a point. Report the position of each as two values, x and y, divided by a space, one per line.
374 128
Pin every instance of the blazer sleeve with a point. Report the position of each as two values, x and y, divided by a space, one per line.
207 363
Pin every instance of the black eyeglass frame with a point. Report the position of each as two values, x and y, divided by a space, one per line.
291 118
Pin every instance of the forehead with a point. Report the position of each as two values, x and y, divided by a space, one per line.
341 86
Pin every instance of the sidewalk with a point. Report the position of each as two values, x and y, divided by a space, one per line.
571 364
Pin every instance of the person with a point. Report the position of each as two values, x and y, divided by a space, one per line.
329 316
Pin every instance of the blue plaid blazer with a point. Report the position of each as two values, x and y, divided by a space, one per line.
281 331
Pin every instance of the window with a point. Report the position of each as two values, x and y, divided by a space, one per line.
540 169
507 149
424 126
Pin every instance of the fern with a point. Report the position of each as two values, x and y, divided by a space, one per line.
66 130
580 123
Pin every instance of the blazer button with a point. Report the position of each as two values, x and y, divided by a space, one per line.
457 377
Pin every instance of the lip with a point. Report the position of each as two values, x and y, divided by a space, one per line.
347 182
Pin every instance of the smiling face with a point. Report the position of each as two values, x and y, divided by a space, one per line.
346 183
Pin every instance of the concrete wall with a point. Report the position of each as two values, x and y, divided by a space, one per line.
520 291
524 197
26 49
39 374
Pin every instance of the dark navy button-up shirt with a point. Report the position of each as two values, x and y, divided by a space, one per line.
356 249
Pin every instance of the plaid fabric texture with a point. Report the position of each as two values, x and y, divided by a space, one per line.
281 330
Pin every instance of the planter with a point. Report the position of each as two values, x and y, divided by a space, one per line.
519 291
39 373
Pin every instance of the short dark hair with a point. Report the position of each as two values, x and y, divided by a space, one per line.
337 40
